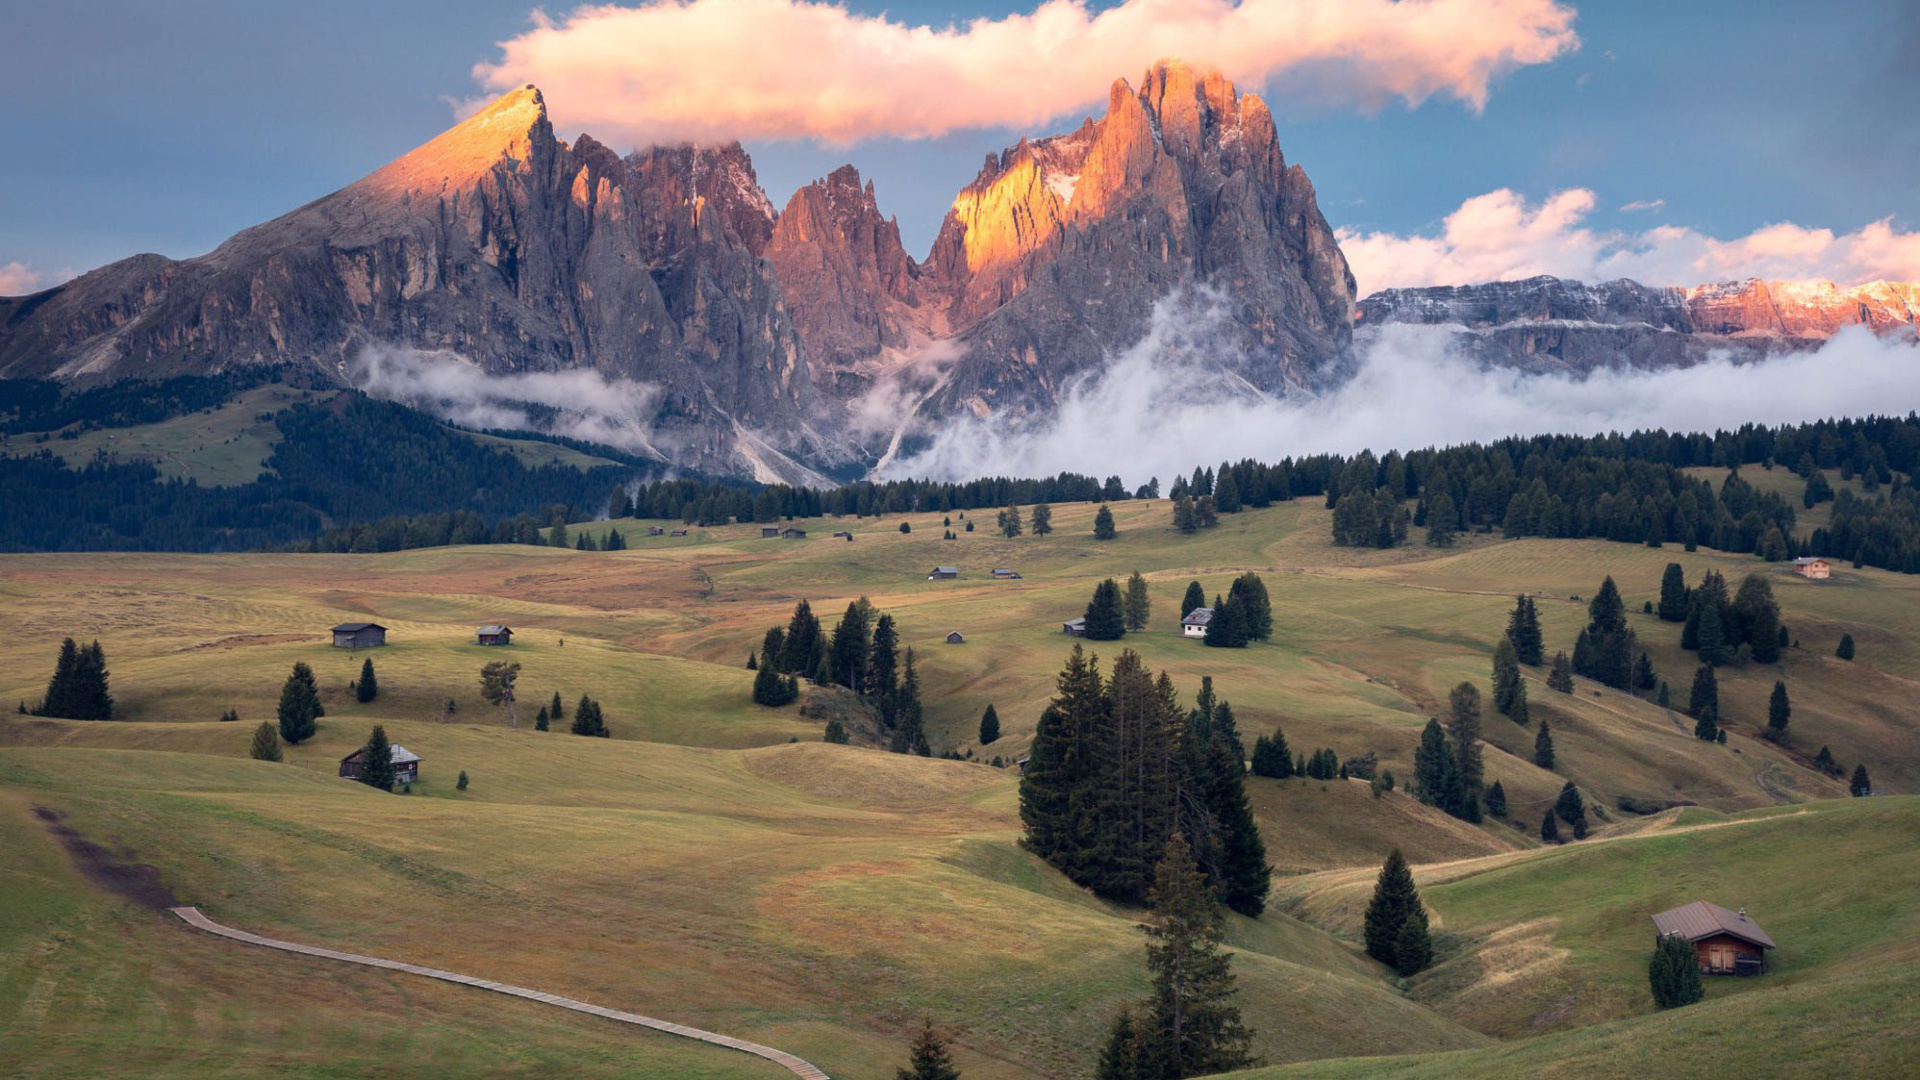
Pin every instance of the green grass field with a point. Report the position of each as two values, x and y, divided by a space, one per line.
715 863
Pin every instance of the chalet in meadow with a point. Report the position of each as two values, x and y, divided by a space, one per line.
406 764
1005 574
1195 624
793 534
494 634
1812 566
1728 942
1074 627
359 635
956 638
944 573
768 532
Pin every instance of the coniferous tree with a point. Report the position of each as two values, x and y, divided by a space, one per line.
1673 594
1520 712
1861 785
1412 949
770 688
1103 524
299 706
1845 651
1194 597
1443 521
1056 789
1138 603
1128 1053
835 732
1204 512
62 697
1184 518
1271 756
1550 828
1042 519
1543 747
496 685
1644 677
928 1058
1703 700
588 720
1674 973
461 784
1228 627
1463 729
1197 1027
802 647
1825 763
367 686
1135 788
1394 898
1242 877
1758 615
540 720
1497 800
1779 713
555 710
1561 677
910 736
1571 808
1226 492
1009 521
1249 595
1434 780
90 679
883 664
989 725
376 761
1506 676
848 652
1523 629
1106 614
266 743
753 663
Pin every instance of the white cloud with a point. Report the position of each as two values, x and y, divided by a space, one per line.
579 404
1160 408
19 279
675 70
1499 236
1643 204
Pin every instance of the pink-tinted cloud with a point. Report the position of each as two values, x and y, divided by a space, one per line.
19 279
1500 237
676 70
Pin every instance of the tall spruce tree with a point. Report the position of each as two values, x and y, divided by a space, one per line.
1194 597
1138 603
1272 757
1433 768
1042 519
1674 973
1056 789
1861 785
1571 807
1543 747
1136 787
1103 524
1128 1053
1394 898
555 710
62 697
802 647
266 743
1009 521
770 688
1758 616
299 706
1703 700
1506 676
1228 627
1412 949
928 1058
849 650
376 760
1497 800
1106 614
989 725
90 681
1243 878
1779 714
588 720
367 686
1226 492
1673 594
1196 1026
1523 629
883 668
1463 729
1518 710
1249 594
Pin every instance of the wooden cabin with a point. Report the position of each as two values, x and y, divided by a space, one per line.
1727 942
493 634
1074 627
1196 622
956 638
406 764
359 635
944 573
1005 574
768 532
793 534
843 534
678 532
1812 566
656 530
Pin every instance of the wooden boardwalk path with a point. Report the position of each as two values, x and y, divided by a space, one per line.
792 1064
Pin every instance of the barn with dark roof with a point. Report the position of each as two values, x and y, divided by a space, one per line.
1728 942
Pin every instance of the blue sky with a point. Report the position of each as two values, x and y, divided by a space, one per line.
136 126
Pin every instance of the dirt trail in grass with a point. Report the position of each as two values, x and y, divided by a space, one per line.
193 917
137 882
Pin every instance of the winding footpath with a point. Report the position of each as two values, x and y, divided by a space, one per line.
192 916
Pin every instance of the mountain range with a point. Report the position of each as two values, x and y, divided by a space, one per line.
804 343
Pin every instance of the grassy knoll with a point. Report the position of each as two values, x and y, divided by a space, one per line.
815 898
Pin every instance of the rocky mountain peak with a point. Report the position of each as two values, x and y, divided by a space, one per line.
512 128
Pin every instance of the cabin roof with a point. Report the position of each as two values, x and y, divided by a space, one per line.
1702 920
399 754
494 628
1807 560
356 627
946 569
1081 622
1199 616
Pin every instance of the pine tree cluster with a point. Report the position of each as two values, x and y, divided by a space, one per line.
1117 767
78 688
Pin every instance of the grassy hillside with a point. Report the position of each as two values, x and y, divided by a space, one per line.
716 863
815 898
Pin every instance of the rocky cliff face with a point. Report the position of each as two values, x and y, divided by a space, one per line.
1052 259
501 244
1547 324
851 290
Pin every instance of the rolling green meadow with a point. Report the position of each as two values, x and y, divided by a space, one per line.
715 863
